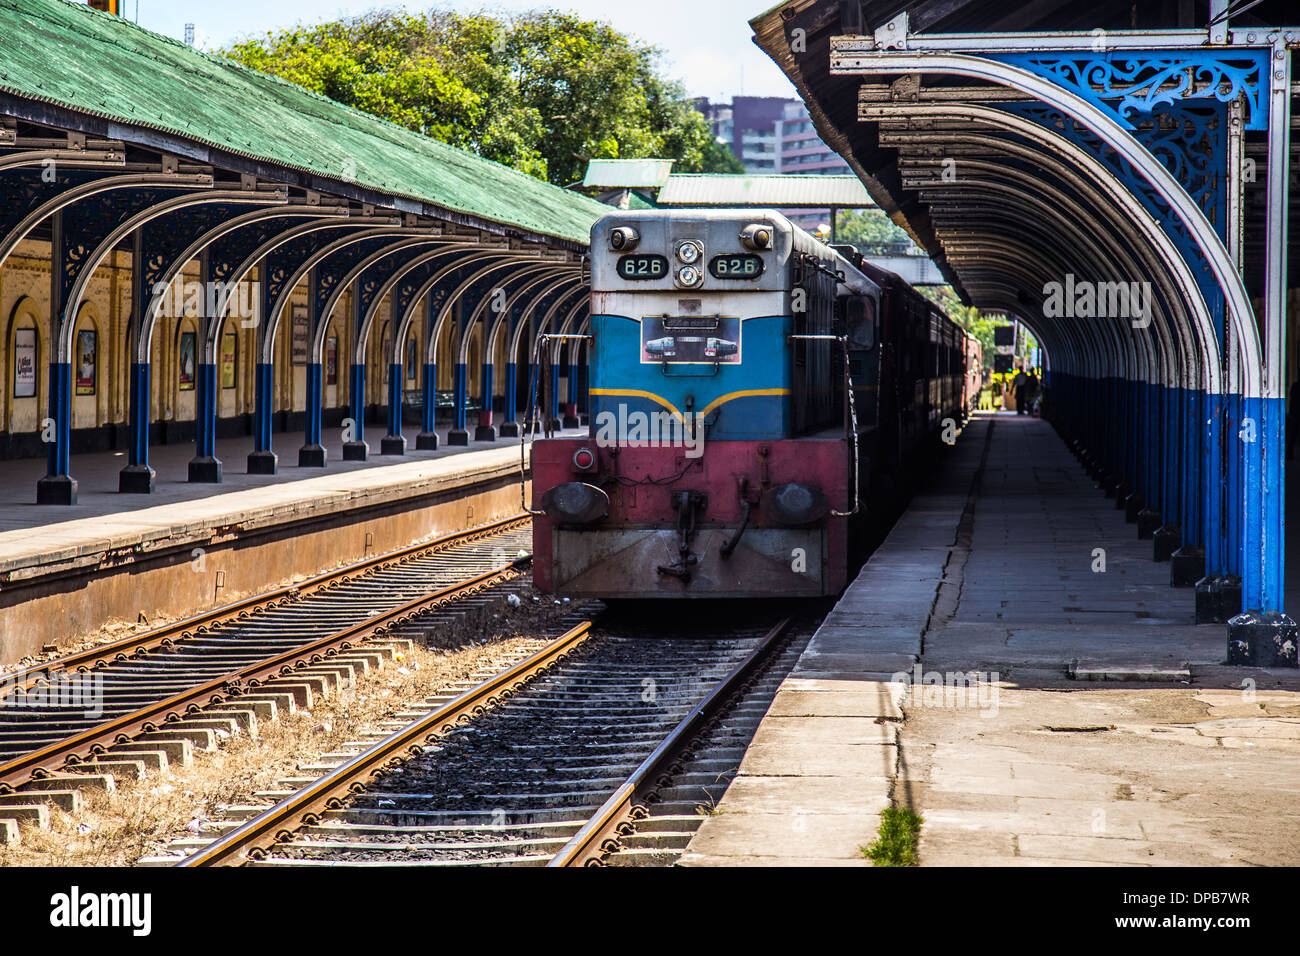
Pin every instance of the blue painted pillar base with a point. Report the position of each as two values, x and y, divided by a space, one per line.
1148 520
264 462
1265 639
1218 598
1133 504
1166 540
56 490
427 439
1186 566
136 480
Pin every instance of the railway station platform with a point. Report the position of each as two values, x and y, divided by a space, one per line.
1013 666
120 561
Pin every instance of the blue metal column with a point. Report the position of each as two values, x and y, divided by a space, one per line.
459 435
312 453
1188 562
138 477
262 460
571 408
1167 537
554 411
57 487
1264 635
427 440
354 444
204 466
393 443
485 430
510 423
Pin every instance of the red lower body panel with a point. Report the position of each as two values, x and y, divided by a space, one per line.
621 555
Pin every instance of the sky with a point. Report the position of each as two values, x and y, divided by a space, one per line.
706 43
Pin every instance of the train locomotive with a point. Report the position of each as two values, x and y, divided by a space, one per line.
754 397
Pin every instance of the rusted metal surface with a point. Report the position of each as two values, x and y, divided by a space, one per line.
304 807
600 835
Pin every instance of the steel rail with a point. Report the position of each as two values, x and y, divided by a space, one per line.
303 808
599 836
153 717
140 644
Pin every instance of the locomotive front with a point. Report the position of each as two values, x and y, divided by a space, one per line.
717 462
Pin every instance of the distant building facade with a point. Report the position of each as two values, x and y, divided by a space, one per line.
775 135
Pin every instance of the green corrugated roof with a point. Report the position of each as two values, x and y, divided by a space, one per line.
627 173
78 58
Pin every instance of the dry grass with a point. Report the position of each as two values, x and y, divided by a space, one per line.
140 818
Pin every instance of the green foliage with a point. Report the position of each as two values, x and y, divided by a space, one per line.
543 91
900 829
867 227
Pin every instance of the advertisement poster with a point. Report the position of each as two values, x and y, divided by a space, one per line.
410 360
332 360
187 361
86 362
228 360
300 335
25 363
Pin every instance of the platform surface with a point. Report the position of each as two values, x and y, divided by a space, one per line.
34 535
992 575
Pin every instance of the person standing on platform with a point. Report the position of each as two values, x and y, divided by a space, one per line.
1020 385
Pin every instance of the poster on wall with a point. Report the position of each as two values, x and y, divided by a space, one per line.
228 351
332 360
25 363
410 360
300 335
86 362
384 352
187 361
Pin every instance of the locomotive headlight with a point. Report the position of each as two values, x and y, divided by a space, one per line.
756 236
623 239
689 251
689 276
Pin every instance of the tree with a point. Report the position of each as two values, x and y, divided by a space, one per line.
867 227
543 92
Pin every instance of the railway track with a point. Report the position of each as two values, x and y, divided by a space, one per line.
605 745
180 684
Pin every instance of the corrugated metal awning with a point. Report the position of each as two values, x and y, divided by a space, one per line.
627 173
